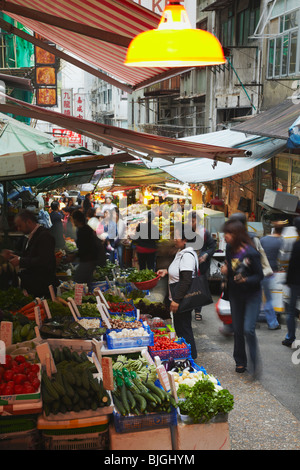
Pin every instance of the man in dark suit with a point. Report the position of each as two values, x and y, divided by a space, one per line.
37 261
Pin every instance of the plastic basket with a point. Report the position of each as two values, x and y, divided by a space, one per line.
87 441
146 285
135 342
17 424
131 313
134 423
180 353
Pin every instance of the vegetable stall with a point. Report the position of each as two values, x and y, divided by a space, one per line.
103 370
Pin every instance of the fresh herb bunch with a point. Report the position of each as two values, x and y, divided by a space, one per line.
142 275
13 299
203 401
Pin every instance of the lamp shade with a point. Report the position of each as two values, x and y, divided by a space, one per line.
174 43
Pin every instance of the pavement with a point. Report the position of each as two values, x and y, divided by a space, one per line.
259 420
265 410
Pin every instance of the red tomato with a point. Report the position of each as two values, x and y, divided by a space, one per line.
35 368
29 389
19 378
19 389
20 358
8 375
36 383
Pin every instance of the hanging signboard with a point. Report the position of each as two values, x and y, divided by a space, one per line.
73 137
45 75
79 105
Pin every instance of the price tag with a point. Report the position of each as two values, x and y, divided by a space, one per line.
38 317
46 359
157 361
163 377
52 294
147 356
137 314
103 316
72 311
6 332
78 294
47 309
107 372
172 385
104 301
72 301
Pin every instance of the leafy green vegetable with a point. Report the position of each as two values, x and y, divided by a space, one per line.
142 275
13 299
203 402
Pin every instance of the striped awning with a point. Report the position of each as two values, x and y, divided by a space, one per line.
135 143
96 31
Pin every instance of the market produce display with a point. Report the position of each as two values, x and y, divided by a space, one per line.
73 387
134 396
67 328
137 399
203 399
18 376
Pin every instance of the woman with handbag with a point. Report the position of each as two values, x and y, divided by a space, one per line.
244 274
181 272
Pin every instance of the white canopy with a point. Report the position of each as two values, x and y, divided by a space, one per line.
195 170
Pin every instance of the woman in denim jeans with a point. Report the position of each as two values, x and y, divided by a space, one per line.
244 274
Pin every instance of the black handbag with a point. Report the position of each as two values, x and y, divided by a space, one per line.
198 294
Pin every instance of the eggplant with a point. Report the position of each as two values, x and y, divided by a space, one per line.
175 369
170 364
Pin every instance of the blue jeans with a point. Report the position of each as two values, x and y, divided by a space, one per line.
269 311
291 312
244 313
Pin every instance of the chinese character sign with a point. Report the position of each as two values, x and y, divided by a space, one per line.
67 102
79 105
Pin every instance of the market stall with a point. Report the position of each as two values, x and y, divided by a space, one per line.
88 370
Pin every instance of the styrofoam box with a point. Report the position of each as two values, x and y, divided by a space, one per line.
280 200
18 163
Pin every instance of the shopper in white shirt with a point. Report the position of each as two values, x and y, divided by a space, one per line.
182 269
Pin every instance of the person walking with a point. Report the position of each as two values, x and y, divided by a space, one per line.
205 246
272 244
86 242
244 274
182 269
36 262
293 282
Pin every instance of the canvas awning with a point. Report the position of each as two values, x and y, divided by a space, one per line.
274 122
97 31
137 175
200 171
135 143
70 172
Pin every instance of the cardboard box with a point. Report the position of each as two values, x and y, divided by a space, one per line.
18 163
45 159
150 439
280 200
210 436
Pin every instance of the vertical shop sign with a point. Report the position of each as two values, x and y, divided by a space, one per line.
67 102
79 105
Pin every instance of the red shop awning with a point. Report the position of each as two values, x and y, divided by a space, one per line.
96 31
135 143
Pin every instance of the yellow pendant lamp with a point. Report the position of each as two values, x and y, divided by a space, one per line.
174 43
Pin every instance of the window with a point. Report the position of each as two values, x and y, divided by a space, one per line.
282 51
246 22
227 30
